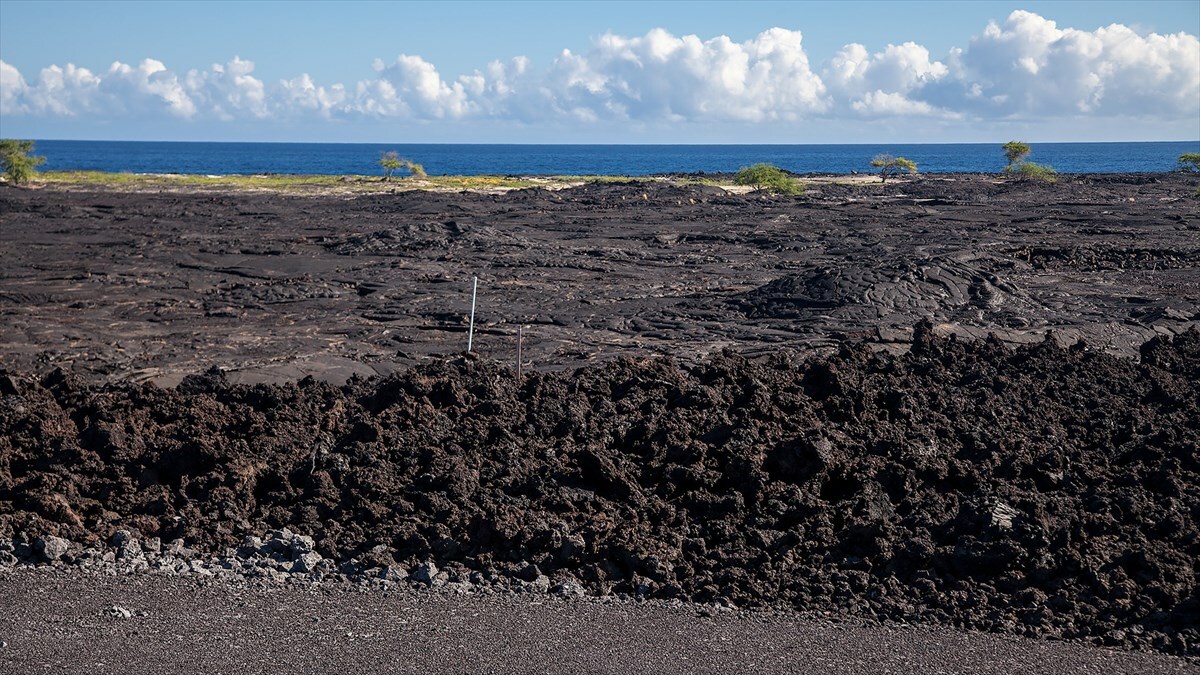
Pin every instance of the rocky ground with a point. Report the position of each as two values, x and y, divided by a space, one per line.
272 287
811 446
1044 490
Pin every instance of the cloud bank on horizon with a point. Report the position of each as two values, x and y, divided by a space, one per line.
1025 68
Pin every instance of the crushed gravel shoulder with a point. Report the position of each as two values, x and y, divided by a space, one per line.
56 620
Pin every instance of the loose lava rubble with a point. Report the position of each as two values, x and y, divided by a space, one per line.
1043 490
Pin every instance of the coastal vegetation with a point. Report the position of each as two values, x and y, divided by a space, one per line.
356 184
1189 162
324 184
768 178
393 162
1032 171
1017 154
892 166
16 157
764 178
294 183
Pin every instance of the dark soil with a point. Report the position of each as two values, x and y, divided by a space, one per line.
1042 490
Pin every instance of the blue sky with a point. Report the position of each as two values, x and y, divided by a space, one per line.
632 72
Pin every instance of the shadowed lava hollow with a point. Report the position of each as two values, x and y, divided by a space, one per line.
1044 490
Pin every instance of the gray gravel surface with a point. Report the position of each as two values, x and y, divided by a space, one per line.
70 620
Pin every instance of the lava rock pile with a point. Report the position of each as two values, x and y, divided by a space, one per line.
1043 490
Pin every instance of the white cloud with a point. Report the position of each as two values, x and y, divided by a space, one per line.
884 83
1026 67
12 89
418 89
879 103
663 77
300 95
229 91
1031 67
146 89
59 91
897 69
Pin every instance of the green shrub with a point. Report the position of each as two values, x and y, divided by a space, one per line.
1189 162
768 178
1016 152
392 162
889 166
1031 171
19 165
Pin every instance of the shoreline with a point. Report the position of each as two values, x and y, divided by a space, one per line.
362 183
352 184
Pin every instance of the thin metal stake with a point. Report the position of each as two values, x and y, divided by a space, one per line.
520 339
471 329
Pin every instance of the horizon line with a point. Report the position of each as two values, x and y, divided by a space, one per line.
464 143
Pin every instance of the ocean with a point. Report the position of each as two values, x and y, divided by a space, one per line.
632 160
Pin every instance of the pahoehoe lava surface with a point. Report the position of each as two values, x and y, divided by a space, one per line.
154 286
1042 489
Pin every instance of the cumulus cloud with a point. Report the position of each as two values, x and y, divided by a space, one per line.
1025 67
1028 66
148 89
57 91
12 90
417 89
664 77
880 103
139 90
300 96
507 90
229 91
883 84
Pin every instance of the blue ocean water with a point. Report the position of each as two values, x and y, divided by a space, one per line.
634 160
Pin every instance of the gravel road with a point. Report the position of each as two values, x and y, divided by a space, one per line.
67 621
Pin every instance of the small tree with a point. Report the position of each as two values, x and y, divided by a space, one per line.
1016 151
392 162
768 178
889 166
19 165
1189 162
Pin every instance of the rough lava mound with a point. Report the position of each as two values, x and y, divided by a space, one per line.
1043 490
945 287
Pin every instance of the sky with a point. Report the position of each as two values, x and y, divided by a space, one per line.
601 72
